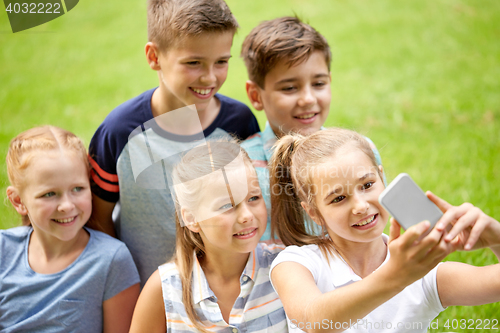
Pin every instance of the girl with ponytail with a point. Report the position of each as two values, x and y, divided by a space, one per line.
350 276
218 280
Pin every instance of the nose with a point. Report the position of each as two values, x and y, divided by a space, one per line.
244 213
360 205
208 76
307 97
66 204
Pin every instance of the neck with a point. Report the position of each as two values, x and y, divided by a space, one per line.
162 102
225 267
363 258
48 248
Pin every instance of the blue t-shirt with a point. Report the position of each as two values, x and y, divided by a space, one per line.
67 301
147 211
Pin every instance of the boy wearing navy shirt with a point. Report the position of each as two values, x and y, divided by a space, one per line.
189 47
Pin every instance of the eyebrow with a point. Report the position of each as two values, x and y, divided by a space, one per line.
338 189
202 58
322 75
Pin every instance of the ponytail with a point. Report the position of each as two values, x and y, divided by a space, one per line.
287 214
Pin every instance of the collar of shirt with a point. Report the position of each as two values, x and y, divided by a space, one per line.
342 273
201 290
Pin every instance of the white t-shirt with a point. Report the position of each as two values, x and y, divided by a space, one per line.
412 310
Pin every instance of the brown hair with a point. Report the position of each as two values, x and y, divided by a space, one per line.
292 172
169 21
198 162
285 39
26 145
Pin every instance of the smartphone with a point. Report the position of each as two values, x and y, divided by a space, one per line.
408 204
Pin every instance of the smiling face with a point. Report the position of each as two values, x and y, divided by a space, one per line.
231 229
348 189
193 71
57 195
295 98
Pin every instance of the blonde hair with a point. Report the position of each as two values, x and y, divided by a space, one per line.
169 21
292 181
197 163
27 144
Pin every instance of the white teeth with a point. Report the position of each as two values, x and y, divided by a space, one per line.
307 116
366 222
202 91
65 220
244 233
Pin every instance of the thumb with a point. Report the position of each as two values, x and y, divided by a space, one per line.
394 230
442 204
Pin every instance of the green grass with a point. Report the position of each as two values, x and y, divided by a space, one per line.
420 78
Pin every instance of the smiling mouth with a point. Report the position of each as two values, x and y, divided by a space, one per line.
245 233
68 220
370 220
306 116
202 91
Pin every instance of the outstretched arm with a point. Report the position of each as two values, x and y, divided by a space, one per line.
462 284
410 260
149 314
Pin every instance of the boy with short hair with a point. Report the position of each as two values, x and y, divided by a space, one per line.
189 46
288 64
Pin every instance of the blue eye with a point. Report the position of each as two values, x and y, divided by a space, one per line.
78 189
48 195
255 197
226 206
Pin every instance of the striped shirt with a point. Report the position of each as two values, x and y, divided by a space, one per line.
260 149
256 310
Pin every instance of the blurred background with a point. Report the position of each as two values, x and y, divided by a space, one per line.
420 78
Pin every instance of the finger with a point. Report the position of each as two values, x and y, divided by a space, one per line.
480 225
463 217
394 230
414 233
442 204
452 215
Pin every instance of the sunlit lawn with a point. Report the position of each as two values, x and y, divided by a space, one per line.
420 78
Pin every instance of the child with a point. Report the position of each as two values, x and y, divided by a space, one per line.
288 64
353 277
219 278
189 47
56 275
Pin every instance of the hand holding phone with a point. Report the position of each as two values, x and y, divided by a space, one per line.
408 204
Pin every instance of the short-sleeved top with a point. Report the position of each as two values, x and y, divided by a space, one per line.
260 149
257 308
147 212
412 310
67 301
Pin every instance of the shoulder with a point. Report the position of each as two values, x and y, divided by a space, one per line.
266 253
126 117
307 255
168 271
233 104
15 233
253 141
108 247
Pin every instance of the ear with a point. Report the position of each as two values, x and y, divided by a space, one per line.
15 200
310 211
189 220
152 56
254 95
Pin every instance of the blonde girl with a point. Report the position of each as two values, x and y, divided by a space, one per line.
352 277
218 280
56 275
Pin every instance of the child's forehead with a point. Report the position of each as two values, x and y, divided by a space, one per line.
312 65
190 42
